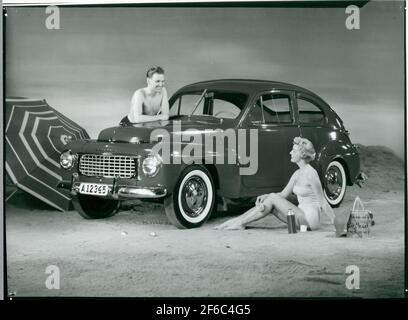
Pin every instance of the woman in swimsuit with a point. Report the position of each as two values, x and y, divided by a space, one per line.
305 183
150 103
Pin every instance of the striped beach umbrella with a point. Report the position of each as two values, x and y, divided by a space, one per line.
36 134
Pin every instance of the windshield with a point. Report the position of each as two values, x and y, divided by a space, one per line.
220 104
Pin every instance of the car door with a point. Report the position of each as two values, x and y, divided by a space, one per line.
313 122
272 114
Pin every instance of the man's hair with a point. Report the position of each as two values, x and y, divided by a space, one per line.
155 69
307 151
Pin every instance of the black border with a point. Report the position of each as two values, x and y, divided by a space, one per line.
405 150
5 293
260 305
241 4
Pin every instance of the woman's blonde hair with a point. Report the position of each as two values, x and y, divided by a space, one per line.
307 151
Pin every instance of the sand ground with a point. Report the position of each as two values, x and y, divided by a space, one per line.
120 257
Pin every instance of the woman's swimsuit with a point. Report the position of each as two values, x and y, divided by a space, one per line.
308 203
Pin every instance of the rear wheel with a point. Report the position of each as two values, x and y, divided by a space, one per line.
91 207
334 183
193 199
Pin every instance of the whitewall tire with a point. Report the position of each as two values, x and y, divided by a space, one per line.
334 183
192 200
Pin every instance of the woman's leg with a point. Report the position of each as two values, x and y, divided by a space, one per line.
280 207
236 223
312 215
273 201
251 215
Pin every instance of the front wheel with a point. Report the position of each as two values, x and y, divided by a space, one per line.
91 207
334 183
193 199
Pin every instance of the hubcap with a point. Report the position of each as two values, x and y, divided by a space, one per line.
334 182
194 196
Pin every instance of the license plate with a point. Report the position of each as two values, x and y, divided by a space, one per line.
97 189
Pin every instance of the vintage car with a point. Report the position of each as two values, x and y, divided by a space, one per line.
226 142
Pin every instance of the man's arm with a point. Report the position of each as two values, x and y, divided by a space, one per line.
165 105
135 115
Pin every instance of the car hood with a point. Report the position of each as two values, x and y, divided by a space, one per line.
149 132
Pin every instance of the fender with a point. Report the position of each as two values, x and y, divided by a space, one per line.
344 151
226 176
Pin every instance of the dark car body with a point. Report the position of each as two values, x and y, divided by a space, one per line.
276 111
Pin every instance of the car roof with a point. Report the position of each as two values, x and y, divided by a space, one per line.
248 86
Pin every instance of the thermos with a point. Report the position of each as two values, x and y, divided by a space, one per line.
291 221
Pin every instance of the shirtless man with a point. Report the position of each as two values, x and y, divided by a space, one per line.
150 103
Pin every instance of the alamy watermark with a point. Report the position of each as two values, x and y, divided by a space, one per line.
53 280
353 18
52 22
209 146
353 280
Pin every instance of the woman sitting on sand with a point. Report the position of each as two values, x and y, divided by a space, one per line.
305 183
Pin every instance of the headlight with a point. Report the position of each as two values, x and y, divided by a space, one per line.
67 160
151 165
135 140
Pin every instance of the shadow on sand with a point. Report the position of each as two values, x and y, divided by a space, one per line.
24 200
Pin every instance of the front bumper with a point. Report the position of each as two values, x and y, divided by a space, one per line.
141 192
117 191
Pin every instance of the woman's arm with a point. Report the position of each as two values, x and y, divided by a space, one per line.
284 193
287 191
136 110
318 190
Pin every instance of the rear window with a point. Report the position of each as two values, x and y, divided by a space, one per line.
309 112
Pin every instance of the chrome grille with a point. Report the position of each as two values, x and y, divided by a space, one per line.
107 166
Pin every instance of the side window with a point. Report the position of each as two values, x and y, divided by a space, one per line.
187 103
255 115
174 107
310 112
225 109
276 109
